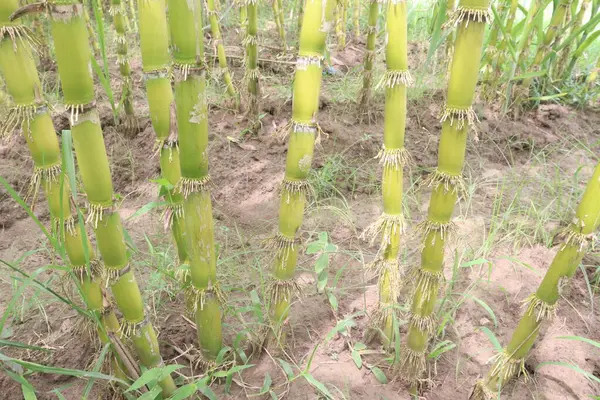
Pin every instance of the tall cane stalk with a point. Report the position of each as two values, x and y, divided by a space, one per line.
393 156
366 93
252 72
73 59
541 306
218 44
118 13
469 18
303 130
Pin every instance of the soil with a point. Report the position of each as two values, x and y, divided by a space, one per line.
247 174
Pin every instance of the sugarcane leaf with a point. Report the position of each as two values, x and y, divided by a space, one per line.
26 388
586 43
184 392
151 394
505 35
379 375
437 37
97 368
549 97
471 263
591 377
59 394
205 390
529 75
318 385
441 348
356 358
492 338
487 308
152 375
266 387
146 208
581 339
20 345
287 368
231 372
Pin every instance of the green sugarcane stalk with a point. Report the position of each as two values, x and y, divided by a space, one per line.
220 49
303 130
117 11
340 26
393 156
542 305
491 51
562 71
252 72
470 18
93 39
133 14
202 291
366 92
73 59
502 52
357 6
156 64
17 66
280 21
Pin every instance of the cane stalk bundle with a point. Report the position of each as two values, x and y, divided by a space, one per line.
303 130
118 13
252 72
393 156
541 306
73 60
340 25
202 291
280 21
220 49
366 92
446 182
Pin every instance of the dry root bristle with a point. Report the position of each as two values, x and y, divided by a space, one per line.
282 290
69 224
291 187
571 237
96 213
425 281
394 158
459 116
197 297
446 229
132 328
370 54
130 124
292 126
251 40
303 62
19 32
383 315
412 364
450 183
183 274
45 175
252 74
95 270
426 323
15 118
389 269
542 310
110 275
482 392
388 225
372 30
181 71
505 367
171 211
187 186
393 78
466 14
281 244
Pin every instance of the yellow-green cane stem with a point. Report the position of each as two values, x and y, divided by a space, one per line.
252 71
278 15
117 11
218 43
340 26
541 305
173 213
92 35
366 92
303 131
356 16
470 18
208 321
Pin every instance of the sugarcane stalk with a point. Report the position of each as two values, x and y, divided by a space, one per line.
280 21
393 156
133 14
562 71
117 11
92 35
366 93
502 52
446 182
73 59
340 26
202 291
17 66
220 50
542 305
252 71
303 130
